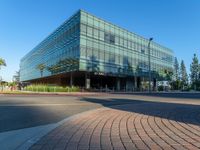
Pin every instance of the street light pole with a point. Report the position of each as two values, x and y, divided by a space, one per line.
149 56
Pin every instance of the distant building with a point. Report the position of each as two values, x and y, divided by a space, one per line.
16 77
89 52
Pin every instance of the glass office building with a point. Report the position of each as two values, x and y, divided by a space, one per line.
89 52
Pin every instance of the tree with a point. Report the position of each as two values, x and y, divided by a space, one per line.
176 70
168 75
41 68
175 84
2 62
183 75
194 69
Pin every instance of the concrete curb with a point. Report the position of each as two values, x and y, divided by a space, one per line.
79 94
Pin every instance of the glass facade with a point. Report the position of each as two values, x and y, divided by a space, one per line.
86 43
59 52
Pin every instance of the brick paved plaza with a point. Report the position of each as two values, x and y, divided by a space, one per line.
136 125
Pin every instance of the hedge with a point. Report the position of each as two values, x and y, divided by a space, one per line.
50 88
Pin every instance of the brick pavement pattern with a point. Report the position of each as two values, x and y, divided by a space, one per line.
148 125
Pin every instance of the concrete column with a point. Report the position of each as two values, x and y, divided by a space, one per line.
118 84
143 84
87 81
154 84
129 84
139 83
71 79
135 83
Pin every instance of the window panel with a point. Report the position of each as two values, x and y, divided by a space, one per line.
129 45
89 31
89 52
125 43
109 38
101 35
95 45
90 20
89 43
101 46
111 58
83 51
96 23
106 57
101 25
112 39
101 55
121 41
96 33
83 42
117 59
107 27
83 28
95 54
117 40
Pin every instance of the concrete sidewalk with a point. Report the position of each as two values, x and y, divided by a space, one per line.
23 138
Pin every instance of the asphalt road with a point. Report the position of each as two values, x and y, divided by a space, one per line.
17 112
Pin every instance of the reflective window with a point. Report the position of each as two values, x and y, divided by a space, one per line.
96 33
142 51
89 38
101 35
117 40
121 42
109 38
112 39
96 22
89 31
83 28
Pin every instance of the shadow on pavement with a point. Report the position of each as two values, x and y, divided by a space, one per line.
19 117
185 113
182 95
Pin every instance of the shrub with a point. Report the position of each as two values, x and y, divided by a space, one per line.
50 88
161 88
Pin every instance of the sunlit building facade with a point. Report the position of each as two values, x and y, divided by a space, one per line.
89 52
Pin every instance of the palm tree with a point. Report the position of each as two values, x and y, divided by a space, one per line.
41 68
2 62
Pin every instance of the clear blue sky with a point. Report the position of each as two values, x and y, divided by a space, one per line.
24 23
